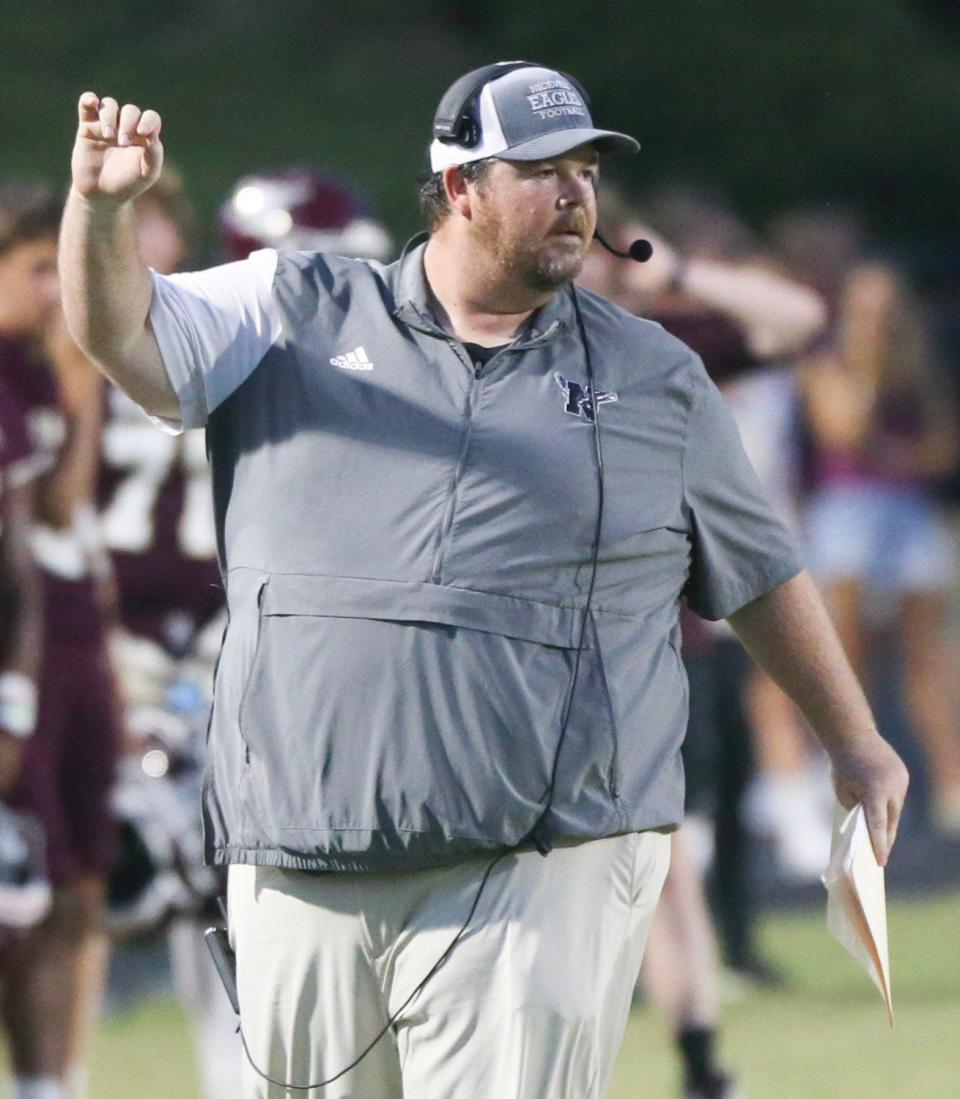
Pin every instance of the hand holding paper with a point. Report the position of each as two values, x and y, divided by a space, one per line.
869 773
856 900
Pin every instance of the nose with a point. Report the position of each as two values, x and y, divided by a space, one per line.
574 192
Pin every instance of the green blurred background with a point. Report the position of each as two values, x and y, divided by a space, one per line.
772 102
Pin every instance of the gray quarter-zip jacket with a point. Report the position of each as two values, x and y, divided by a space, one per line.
407 540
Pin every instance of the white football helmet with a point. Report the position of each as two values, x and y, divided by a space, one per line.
160 872
302 209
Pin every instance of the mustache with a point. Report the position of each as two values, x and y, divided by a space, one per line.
575 222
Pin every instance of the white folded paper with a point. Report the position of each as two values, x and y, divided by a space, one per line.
856 899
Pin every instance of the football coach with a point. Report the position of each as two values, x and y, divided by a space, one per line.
458 503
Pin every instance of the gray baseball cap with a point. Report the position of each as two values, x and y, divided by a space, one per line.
528 113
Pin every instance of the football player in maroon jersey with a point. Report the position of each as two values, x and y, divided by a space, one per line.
68 763
25 894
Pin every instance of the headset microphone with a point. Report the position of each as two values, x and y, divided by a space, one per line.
641 250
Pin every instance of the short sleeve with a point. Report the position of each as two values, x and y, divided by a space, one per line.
213 328
741 550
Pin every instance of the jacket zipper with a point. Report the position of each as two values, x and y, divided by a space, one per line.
446 522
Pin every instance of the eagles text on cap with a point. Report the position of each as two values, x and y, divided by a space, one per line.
529 113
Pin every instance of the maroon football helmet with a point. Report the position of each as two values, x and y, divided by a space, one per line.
301 209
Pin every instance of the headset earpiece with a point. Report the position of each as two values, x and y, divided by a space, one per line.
454 122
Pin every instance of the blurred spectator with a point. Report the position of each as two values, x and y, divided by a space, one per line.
713 293
882 422
726 299
777 319
790 798
738 316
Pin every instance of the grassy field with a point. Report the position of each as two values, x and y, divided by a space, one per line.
825 1037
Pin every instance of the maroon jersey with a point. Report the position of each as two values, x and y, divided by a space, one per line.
717 340
71 610
16 453
15 462
157 522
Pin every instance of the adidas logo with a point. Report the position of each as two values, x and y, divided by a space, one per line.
353 360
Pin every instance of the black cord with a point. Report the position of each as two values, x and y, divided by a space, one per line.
536 834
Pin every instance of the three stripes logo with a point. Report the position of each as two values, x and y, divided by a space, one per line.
353 360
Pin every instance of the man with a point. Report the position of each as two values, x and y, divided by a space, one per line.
411 701
67 766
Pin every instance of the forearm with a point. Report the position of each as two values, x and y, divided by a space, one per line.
105 284
789 634
107 292
72 481
778 315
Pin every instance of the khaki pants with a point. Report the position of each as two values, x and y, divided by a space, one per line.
531 1004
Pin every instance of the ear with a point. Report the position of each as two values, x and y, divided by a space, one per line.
458 191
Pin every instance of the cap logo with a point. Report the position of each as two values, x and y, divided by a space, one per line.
554 99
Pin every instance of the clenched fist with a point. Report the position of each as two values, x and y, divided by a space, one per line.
117 154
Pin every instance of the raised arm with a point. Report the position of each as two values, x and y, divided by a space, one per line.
787 631
105 284
778 315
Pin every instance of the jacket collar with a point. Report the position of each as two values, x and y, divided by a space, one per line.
413 302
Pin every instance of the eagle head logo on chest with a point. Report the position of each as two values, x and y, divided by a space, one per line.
579 400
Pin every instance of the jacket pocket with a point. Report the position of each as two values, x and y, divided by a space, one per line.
375 705
246 679
226 765
647 691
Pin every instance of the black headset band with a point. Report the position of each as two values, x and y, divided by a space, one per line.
453 122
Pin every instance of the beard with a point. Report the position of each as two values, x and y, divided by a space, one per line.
540 264
548 271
